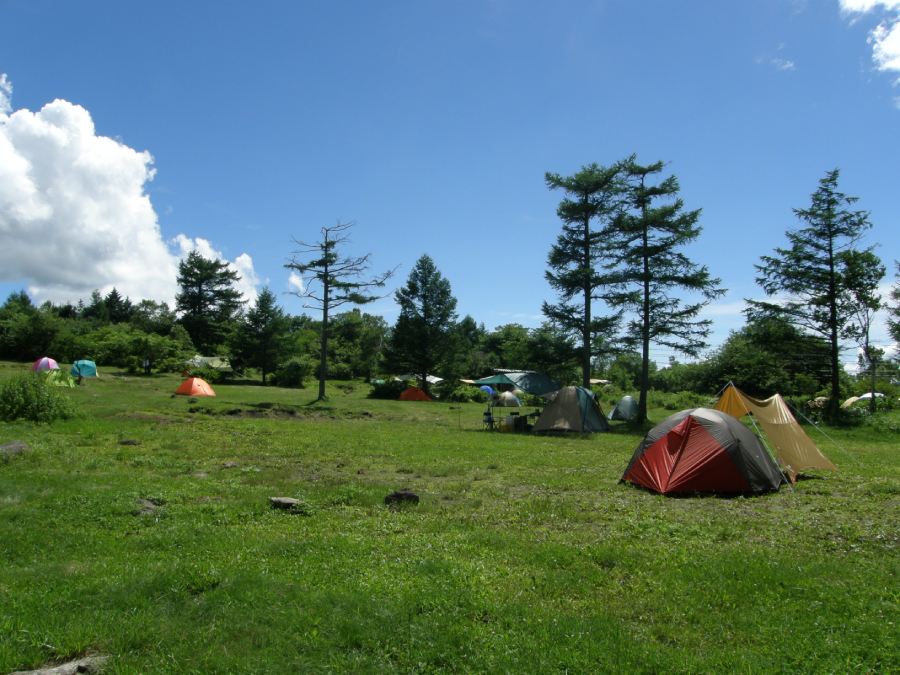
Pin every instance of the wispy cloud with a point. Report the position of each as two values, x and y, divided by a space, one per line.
724 309
782 64
5 95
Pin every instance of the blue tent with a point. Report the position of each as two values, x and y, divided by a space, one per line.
84 368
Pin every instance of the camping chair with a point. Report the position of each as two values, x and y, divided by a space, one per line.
488 419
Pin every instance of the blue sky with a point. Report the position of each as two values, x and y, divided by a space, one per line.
430 125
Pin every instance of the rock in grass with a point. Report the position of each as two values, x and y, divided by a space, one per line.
87 664
285 503
147 507
13 448
401 497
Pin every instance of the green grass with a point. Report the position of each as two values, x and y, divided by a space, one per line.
524 555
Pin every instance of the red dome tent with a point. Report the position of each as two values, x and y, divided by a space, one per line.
702 450
414 394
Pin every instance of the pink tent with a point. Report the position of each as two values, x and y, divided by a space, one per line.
44 363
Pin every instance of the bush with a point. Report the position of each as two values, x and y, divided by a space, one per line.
33 398
390 390
292 373
338 371
211 375
463 394
682 400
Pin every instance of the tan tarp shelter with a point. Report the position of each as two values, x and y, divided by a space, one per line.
794 448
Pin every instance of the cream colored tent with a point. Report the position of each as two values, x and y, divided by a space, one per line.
794 448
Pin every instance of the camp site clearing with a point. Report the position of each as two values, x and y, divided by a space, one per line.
142 530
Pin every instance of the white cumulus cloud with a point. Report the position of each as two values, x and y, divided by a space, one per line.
295 283
243 264
74 214
885 37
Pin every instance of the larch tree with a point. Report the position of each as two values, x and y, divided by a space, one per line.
424 333
894 307
331 280
647 272
593 196
807 279
862 272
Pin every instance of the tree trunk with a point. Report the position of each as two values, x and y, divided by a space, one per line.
834 402
323 354
586 333
871 359
645 323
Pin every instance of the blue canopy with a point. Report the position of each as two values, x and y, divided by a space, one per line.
529 381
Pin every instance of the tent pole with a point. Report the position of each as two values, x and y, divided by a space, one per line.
719 393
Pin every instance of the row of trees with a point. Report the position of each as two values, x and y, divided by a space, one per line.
621 246
619 269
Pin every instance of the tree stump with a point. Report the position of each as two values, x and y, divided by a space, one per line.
401 497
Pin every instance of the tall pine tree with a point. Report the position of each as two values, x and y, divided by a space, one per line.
423 334
261 338
808 277
647 272
208 302
593 197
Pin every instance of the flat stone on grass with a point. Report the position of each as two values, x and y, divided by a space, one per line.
287 504
13 448
86 664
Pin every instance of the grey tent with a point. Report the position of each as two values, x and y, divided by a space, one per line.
573 409
625 409
507 399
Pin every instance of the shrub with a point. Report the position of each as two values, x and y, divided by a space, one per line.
338 371
682 400
292 373
33 398
211 375
389 390
463 394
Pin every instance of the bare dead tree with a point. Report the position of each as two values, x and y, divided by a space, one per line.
331 280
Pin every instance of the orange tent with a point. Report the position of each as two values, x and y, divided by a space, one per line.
414 394
194 386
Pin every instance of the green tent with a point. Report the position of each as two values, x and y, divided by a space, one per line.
573 409
84 368
529 381
58 378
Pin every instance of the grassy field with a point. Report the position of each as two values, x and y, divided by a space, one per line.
142 530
